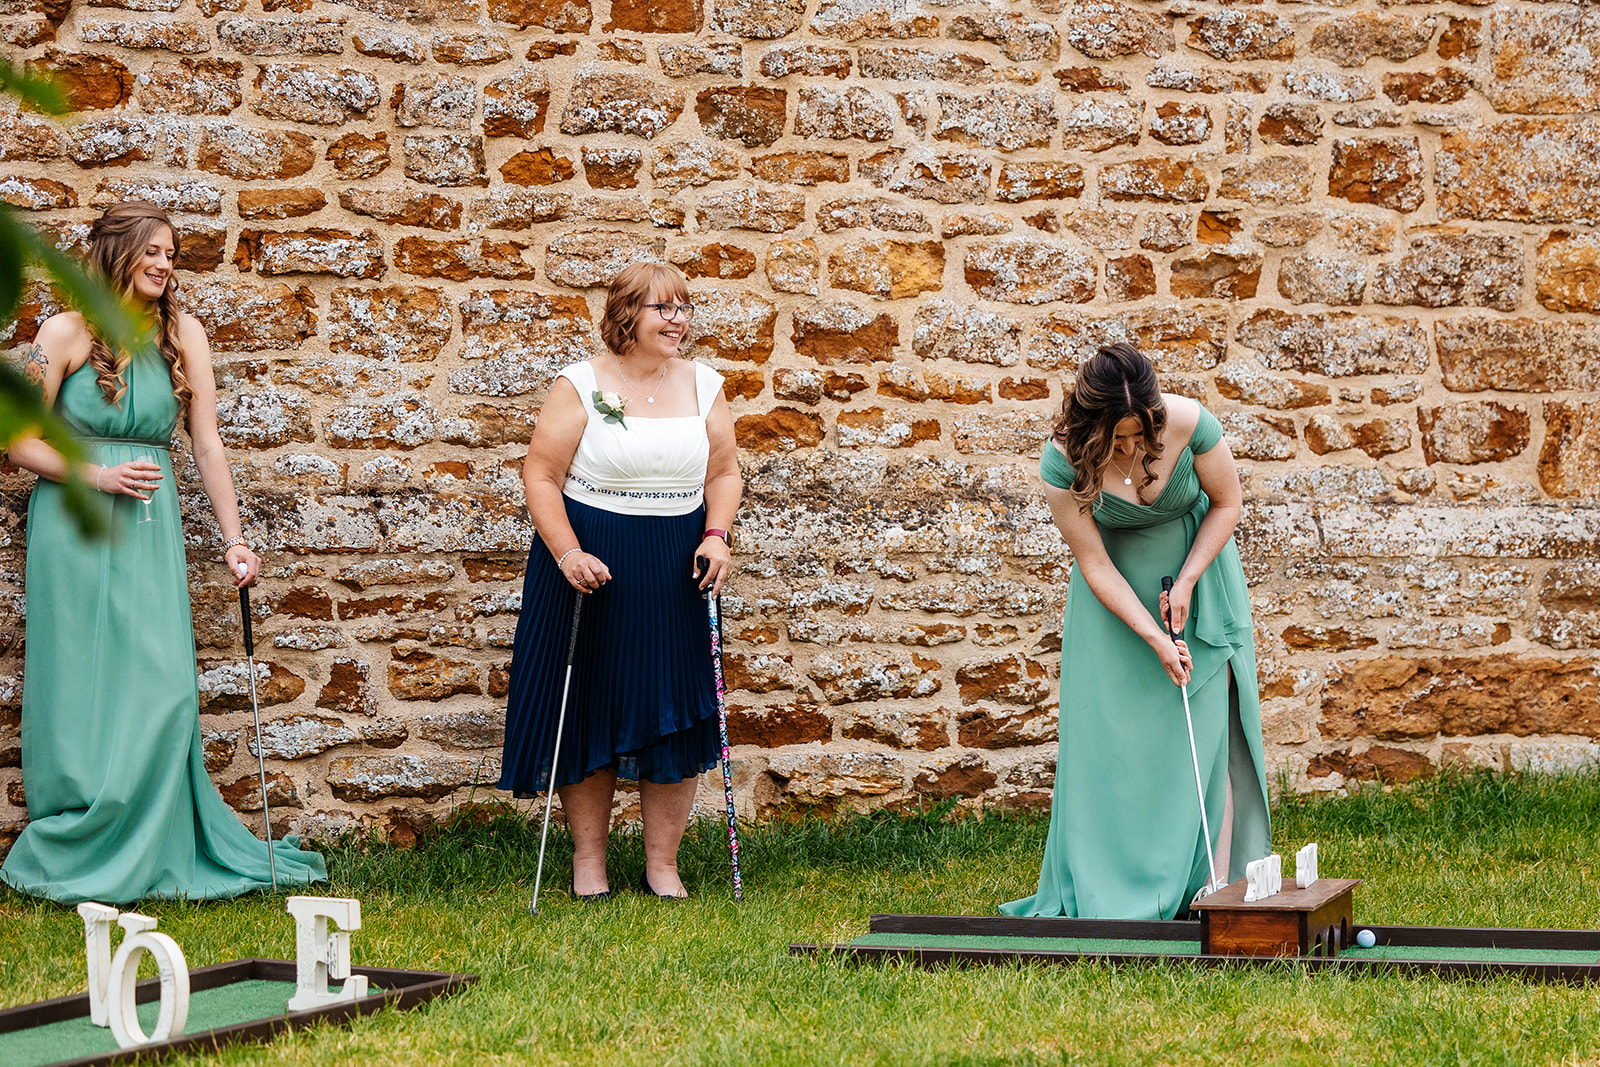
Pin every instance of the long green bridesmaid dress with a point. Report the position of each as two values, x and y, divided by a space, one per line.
1125 840
119 802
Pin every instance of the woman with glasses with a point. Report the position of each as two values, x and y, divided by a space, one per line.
632 477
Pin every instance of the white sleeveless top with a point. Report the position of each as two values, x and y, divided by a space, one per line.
655 466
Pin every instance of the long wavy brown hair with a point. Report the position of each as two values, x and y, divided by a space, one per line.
1113 384
116 241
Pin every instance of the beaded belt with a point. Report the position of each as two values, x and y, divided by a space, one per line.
660 495
165 446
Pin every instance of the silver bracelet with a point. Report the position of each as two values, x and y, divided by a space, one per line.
230 542
564 556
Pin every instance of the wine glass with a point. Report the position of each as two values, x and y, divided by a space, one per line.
148 493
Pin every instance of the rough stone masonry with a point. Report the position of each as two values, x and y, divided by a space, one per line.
1362 233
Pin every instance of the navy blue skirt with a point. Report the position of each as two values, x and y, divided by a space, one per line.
643 699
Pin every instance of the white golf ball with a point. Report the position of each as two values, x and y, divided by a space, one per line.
1366 939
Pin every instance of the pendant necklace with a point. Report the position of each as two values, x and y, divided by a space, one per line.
651 399
1127 479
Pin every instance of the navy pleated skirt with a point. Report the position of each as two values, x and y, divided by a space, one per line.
643 699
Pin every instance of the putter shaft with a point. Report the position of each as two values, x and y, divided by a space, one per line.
255 714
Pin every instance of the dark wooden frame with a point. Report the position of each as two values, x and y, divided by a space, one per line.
1415 936
386 985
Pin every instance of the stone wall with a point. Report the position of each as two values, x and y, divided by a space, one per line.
1362 233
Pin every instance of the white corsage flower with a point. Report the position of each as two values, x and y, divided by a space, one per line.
611 405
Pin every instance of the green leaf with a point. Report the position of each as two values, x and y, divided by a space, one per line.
39 92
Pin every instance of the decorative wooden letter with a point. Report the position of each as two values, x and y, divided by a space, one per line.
112 979
1255 873
320 956
97 920
1305 866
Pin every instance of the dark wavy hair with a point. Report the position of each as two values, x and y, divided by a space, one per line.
625 301
1113 384
116 241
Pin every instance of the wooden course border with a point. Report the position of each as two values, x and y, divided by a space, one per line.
388 986
1397 936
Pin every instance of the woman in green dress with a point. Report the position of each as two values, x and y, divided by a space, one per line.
119 803
1142 485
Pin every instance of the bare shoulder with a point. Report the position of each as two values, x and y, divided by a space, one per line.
190 330
1183 415
65 333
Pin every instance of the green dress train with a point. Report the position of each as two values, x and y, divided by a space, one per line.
119 802
1125 840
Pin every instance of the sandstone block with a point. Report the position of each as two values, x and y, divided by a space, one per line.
1130 278
470 49
752 116
1271 181
389 42
1324 85
967 224
1039 181
944 777
1204 81
1291 124
1177 123
191 87
801 168
1386 171
237 151
1567 271
778 430
1567 463
296 92
915 727
225 685
1218 275
1428 87
521 339
832 333
588 259
815 61
1536 62
463 259
244 794
428 210
732 325
1335 344
1383 763
449 160
852 677
875 428
266 419
1517 355
119 142
1263 437
611 168
1289 231
37 194
241 317
24 136
1023 271
1315 279
620 103
1377 438
1019 36
851 20
779 725
515 105
714 261
1522 169
725 59
1008 433
675 167
946 330
1176 339
888 269
793 265
395 422
1473 432
300 736
539 167
997 118
402 322
764 210
356 155
417 674
854 113
336 252
559 16
168 35
1106 29
1170 180
90 82
290 35
348 687
1246 382
1009 679
1096 124
1352 40
1002 728
1420 698
1234 34
446 100
369 778
1454 269
817 778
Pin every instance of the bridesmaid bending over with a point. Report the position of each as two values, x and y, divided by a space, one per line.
1142 485
119 802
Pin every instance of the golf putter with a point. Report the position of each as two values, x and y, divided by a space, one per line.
1194 756
255 712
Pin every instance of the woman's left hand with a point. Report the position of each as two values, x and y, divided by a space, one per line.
241 554
1178 604
719 564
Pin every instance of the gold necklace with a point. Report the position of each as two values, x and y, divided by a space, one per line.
1127 478
651 399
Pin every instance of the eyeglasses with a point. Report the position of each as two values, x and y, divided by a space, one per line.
671 311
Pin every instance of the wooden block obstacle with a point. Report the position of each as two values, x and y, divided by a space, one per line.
1315 921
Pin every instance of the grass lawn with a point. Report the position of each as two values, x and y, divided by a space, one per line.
710 982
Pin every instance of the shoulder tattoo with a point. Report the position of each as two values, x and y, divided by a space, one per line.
33 362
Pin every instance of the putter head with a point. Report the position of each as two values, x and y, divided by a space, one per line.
1207 889
533 907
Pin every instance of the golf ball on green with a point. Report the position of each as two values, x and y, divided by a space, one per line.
1366 939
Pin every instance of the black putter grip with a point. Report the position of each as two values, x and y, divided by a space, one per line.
701 565
244 613
1166 587
572 636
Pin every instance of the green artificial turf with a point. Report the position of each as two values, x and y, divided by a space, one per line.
1100 945
639 981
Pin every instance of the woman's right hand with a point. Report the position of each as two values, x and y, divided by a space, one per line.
584 572
136 478
1175 659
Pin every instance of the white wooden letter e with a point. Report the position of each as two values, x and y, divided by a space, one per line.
321 956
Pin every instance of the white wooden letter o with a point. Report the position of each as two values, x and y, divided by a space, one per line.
174 970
